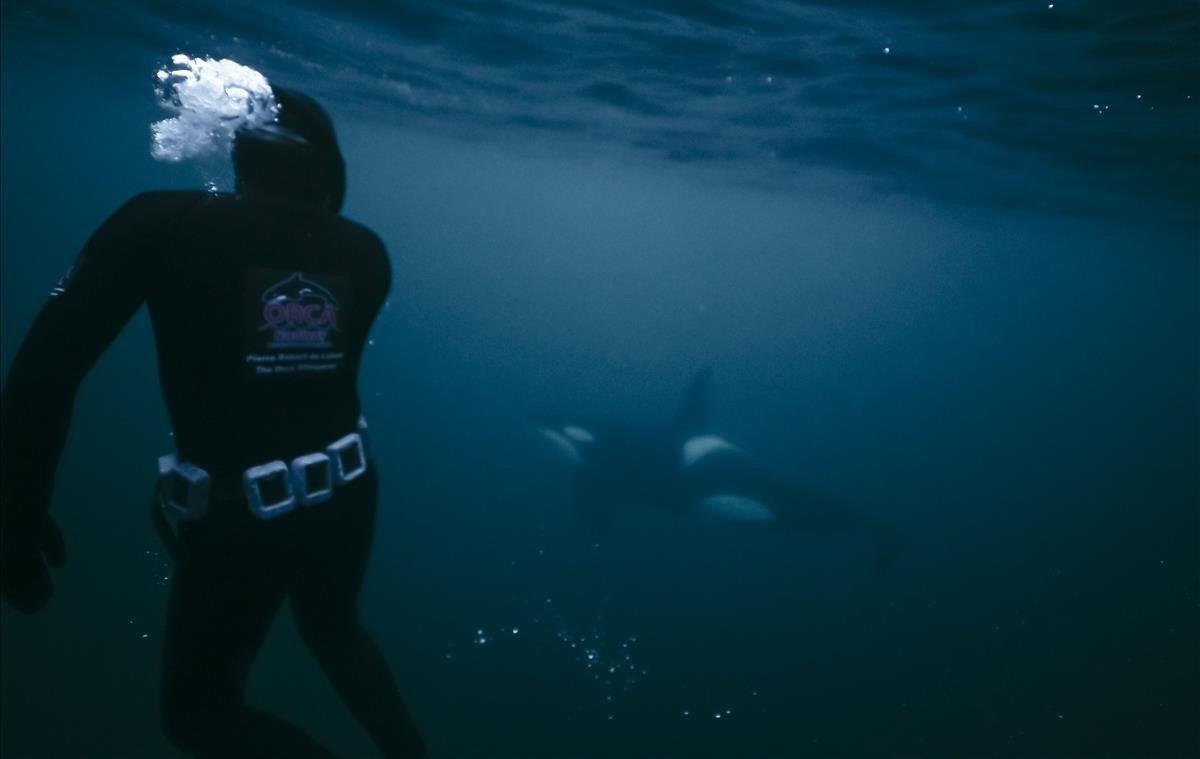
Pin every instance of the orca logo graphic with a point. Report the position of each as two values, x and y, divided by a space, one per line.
299 313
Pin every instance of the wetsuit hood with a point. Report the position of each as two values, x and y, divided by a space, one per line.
297 157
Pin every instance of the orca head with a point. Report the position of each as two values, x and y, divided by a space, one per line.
571 440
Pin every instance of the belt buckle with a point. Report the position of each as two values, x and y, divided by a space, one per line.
349 447
252 481
195 482
303 468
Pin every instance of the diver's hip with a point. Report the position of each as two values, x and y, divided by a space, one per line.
270 489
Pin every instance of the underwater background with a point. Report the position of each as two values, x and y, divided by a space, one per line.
944 260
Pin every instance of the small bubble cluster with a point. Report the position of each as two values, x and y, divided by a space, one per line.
209 101
161 567
609 663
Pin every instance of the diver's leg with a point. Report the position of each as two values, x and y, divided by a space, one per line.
219 610
325 606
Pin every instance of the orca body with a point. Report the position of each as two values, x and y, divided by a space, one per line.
684 467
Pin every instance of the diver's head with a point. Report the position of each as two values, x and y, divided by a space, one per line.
296 157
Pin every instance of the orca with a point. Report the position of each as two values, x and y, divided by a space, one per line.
683 466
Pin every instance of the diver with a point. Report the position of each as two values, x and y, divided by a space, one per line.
261 302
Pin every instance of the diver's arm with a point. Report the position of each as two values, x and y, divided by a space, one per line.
85 312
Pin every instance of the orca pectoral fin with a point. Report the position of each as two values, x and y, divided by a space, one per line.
713 467
727 507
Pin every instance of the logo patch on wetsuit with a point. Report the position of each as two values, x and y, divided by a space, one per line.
294 322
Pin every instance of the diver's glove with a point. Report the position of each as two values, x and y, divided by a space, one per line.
25 550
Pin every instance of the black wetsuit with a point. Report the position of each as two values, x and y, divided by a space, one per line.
261 310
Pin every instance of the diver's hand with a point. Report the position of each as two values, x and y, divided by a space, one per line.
24 577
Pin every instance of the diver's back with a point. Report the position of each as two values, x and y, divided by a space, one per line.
261 310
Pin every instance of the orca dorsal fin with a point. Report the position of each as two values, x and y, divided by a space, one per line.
692 417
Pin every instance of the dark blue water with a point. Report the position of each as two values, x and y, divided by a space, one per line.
944 261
